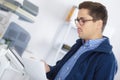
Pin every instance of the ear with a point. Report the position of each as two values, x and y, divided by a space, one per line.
99 24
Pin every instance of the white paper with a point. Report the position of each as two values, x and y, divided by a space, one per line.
35 68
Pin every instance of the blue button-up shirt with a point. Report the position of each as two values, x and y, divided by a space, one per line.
67 67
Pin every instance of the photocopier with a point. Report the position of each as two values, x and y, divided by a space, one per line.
13 41
11 67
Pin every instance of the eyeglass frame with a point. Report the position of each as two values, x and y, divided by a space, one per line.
77 20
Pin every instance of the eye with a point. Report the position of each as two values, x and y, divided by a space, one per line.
82 20
78 19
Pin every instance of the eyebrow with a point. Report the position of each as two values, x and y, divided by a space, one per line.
81 17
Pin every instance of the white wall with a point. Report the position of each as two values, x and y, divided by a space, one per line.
52 15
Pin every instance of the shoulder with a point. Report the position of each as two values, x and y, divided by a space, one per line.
107 60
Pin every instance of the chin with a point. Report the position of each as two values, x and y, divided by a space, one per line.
80 37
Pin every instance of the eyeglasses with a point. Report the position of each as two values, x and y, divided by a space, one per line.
82 21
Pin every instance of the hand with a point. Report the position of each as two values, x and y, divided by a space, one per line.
47 68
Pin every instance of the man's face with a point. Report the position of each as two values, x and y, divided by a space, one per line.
86 27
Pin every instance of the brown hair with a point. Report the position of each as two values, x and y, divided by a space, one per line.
96 10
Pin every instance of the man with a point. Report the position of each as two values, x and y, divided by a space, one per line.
91 58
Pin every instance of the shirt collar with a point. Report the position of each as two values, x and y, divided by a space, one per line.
94 42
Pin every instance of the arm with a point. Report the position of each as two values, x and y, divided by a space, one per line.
106 68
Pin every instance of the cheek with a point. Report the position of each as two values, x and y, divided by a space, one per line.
89 30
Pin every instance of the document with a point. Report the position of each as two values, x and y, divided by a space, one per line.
35 69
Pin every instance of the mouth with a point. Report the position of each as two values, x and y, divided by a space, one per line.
79 30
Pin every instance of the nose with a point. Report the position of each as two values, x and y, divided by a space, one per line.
78 25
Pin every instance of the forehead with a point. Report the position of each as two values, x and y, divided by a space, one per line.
83 13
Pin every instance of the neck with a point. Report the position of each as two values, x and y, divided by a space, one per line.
95 37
